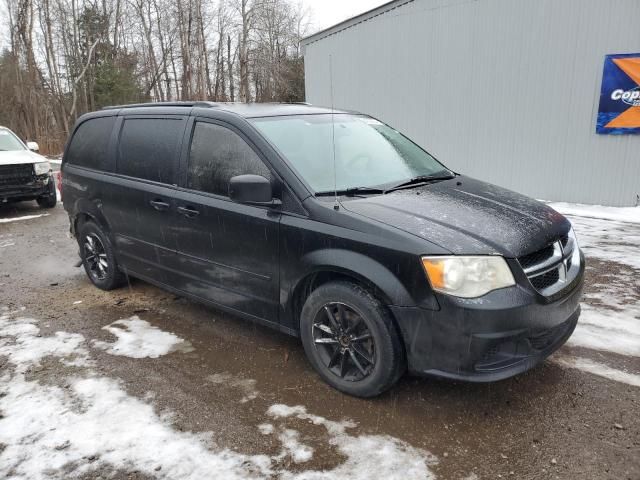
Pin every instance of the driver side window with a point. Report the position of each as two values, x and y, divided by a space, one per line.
217 154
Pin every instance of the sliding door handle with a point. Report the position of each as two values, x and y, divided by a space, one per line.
189 212
159 205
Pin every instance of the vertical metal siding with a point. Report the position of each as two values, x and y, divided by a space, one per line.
502 90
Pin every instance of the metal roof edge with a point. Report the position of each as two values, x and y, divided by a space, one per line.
353 21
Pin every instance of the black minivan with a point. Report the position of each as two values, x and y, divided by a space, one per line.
327 225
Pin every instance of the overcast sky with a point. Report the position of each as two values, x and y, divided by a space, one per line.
326 13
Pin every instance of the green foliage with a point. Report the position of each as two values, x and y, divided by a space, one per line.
116 82
112 77
291 89
8 79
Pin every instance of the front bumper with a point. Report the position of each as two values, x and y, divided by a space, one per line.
489 338
38 187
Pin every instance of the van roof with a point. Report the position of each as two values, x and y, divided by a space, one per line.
247 110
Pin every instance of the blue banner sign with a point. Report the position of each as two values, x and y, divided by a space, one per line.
619 111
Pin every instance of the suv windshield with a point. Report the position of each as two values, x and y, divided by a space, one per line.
368 153
9 142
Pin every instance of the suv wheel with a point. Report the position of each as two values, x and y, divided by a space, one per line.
49 200
350 339
98 257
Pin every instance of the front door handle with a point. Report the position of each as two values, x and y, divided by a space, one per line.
159 205
189 212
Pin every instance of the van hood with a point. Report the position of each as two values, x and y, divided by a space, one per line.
467 216
19 157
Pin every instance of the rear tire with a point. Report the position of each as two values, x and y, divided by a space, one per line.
360 354
98 257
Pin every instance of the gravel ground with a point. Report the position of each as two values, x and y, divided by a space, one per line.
212 396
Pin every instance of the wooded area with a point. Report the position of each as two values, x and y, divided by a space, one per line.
68 57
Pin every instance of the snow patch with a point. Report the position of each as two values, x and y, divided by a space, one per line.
610 322
368 456
608 330
265 428
26 217
48 429
334 428
246 385
621 214
21 342
50 432
137 338
92 424
608 240
599 369
290 440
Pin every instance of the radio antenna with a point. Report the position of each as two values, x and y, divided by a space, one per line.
336 205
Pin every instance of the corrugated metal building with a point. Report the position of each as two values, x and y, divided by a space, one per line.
503 90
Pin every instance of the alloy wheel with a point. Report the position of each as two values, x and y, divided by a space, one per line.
96 257
344 342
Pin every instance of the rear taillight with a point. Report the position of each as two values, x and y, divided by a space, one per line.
59 182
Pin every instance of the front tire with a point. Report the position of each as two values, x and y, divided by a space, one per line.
98 257
351 340
49 200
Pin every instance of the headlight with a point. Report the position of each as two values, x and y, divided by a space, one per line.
575 255
467 277
573 238
42 168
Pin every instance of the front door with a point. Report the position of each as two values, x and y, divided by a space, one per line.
227 252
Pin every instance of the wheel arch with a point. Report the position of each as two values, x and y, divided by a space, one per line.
89 211
334 265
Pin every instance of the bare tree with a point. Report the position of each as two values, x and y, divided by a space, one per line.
67 57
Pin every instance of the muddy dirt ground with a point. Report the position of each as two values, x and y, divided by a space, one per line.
551 422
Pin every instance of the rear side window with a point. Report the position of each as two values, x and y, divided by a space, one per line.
90 143
216 155
149 148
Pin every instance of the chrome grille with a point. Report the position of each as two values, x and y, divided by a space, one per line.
553 267
564 240
536 257
546 279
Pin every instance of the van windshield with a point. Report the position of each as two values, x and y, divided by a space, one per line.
368 153
9 142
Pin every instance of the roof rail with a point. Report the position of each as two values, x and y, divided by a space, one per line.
163 104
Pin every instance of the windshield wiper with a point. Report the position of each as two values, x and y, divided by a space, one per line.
352 191
419 180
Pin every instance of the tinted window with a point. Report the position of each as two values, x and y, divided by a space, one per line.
90 143
217 154
149 148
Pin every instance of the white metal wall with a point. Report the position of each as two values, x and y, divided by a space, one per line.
503 90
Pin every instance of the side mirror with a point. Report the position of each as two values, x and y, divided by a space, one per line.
33 146
251 189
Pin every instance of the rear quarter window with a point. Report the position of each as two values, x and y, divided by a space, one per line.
149 148
89 146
